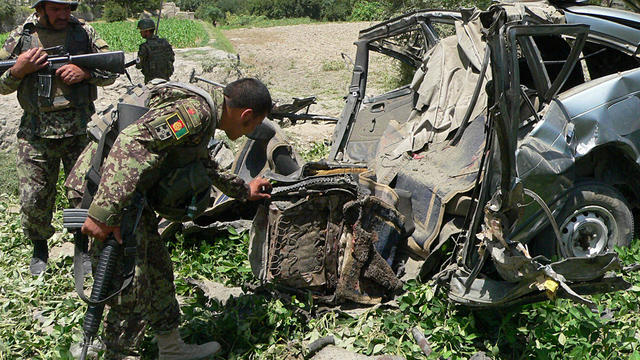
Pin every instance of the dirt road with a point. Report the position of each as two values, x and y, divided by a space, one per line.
294 61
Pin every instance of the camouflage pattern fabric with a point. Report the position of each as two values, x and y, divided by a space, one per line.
177 123
45 139
56 124
149 300
135 162
38 168
156 59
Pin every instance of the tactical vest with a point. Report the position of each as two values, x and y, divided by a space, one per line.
75 41
183 191
159 61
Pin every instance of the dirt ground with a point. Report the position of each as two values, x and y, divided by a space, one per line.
294 61
300 61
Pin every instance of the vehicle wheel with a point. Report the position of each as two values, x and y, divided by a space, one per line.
595 219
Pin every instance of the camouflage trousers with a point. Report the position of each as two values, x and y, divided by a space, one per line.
149 300
38 165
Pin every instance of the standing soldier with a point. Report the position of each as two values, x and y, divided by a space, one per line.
156 54
54 125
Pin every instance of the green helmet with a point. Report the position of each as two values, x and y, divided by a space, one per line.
146 24
72 4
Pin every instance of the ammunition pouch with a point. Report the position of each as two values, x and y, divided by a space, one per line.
183 194
320 234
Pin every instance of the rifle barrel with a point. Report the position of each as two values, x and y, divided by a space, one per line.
112 61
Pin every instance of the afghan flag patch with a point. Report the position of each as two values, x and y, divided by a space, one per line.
177 126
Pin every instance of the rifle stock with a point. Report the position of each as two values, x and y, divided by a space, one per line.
112 61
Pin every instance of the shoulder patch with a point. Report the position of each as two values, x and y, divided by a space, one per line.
177 125
163 131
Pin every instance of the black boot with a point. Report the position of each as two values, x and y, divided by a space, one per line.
39 259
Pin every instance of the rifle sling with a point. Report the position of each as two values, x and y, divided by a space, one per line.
129 253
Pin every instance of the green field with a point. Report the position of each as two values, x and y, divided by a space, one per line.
123 35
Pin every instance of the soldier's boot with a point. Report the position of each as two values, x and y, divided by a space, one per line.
172 347
39 258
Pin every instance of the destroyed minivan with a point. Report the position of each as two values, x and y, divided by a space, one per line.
507 169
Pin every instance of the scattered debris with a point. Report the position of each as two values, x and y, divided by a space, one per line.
418 336
62 251
320 344
332 352
215 290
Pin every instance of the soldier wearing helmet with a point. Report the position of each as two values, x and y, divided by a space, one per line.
53 127
155 55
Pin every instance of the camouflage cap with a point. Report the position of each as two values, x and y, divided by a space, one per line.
146 24
72 4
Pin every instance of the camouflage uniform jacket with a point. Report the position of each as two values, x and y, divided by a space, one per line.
54 124
156 59
179 122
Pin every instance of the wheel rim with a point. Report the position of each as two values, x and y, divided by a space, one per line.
587 232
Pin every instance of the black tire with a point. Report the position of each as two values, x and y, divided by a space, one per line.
592 210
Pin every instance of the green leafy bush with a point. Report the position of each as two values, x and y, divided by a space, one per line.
190 5
233 20
210 13
336 10
278 9
114 12
365 10
7 10
12 15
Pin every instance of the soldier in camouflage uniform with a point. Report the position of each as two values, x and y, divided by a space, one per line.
52 129
155 55
179 124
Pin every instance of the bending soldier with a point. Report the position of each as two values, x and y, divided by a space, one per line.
53 126
156 54
171 137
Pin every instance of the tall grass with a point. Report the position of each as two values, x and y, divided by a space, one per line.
181 33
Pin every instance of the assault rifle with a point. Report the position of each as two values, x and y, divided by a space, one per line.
102 290
111 61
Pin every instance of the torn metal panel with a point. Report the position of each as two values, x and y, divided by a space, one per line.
607 113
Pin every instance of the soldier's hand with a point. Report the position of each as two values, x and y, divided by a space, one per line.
72 74
259 188
100 231
29 62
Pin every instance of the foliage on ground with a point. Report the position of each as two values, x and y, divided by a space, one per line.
317 151
41 317
181 33
220 41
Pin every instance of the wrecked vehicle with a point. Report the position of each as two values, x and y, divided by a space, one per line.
506 169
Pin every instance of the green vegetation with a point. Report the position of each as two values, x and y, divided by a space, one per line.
3 37
9 174
181 33
368 11
41 317
259 21
318 151
333 65
219 40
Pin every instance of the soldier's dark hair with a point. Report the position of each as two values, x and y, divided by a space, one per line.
249 93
